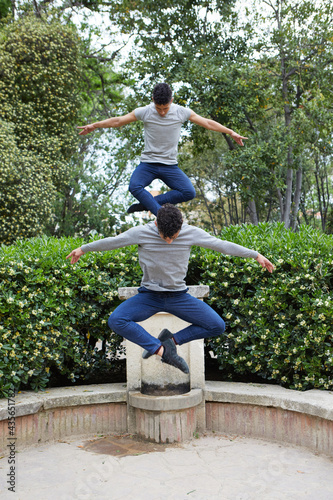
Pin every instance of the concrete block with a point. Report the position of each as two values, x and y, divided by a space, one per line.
166 403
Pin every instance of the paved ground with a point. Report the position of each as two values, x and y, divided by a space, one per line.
212 467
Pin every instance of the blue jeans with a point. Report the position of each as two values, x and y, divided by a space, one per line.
205 322
171 175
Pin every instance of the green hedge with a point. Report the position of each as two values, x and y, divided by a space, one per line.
279 326
52 313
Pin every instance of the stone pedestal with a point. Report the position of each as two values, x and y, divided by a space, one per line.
164 404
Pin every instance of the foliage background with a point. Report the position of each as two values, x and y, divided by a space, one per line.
279 326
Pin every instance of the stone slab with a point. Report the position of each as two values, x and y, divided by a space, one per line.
28 402
313 402
166 403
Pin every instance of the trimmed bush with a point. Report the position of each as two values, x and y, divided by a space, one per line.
279 326
52 313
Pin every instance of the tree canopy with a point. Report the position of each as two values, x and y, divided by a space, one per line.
265 74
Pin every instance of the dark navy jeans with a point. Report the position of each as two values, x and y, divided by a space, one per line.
205 322
171 175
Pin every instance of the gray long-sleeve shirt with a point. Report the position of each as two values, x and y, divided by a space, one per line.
165 265
161 132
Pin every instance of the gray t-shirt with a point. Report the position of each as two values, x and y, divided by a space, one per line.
164 265
161 132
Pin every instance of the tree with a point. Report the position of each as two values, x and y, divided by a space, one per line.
296 52
85 195
264 73
26 190
39 104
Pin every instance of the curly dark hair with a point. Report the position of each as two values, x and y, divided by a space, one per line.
162 93
169 220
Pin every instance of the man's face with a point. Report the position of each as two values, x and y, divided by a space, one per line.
168 240
162 109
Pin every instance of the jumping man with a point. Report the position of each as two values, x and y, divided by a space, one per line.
162 120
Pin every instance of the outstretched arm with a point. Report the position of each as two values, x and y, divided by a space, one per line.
115 122
216 127
75 255
265 263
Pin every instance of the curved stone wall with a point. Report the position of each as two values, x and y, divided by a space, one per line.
254 410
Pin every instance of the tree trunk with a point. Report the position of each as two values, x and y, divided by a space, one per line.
287 200
279 194
207 207
236 209
322 193
230 211
223 209
297 198
287 121
252 211
269 208
13 2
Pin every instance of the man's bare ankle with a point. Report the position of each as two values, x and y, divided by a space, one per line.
160 351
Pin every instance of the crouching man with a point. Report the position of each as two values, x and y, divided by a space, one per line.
164 248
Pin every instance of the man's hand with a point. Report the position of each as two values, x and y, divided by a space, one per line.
87 129
238 138
265 262
75 255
